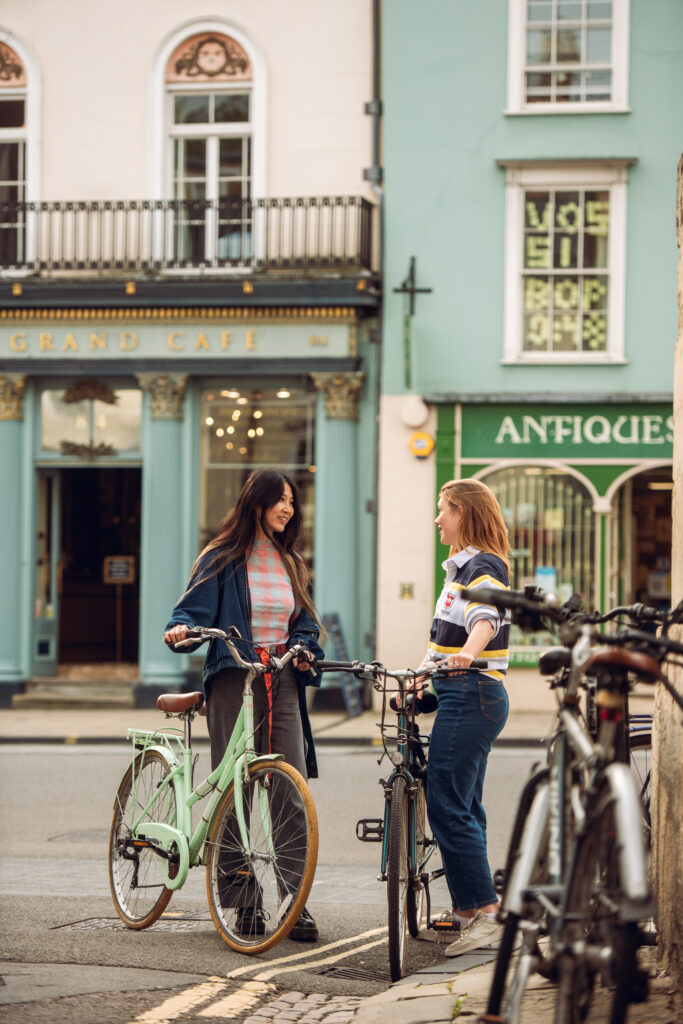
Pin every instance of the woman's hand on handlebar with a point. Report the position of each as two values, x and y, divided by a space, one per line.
175 635
304 662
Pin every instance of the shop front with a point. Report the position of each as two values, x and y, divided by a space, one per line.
126 436
585 491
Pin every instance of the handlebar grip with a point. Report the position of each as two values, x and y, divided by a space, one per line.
339 666
194 634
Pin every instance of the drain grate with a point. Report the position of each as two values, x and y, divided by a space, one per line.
356 974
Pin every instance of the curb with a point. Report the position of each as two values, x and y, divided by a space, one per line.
320 741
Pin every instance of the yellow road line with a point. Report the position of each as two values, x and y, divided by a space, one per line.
311 964
308 952
248 995
189 999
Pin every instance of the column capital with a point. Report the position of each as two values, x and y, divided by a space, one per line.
341 391
12 387
167 391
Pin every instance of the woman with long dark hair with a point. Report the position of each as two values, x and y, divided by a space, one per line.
251 575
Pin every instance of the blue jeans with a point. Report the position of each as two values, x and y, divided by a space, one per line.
472 711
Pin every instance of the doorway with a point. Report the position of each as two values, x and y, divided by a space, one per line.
83 614
645 541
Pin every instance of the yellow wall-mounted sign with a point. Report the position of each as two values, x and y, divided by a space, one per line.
421 445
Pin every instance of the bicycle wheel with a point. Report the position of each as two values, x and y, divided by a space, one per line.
415 897
257 896
598 972
136 871
398 875
523 929
640 744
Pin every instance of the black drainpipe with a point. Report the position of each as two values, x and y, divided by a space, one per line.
374 175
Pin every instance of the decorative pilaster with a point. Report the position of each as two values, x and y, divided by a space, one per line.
14 602
167 391
12 386
165 479
336 501
342 393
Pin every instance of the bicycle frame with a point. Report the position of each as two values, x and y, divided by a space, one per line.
234 765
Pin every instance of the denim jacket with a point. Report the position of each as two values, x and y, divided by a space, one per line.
224 600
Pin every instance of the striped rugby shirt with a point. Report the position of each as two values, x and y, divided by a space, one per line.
454 617
270 589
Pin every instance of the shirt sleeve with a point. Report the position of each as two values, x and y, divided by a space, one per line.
491 574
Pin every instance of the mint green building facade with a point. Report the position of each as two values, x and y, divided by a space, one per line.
531 150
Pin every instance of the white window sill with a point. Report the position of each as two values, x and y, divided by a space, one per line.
567 108
564 359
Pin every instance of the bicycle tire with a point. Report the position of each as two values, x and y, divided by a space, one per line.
533 913
640 744
598 988
398 871
256 900
415 897
136 872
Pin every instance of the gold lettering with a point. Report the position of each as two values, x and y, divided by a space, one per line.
171 341
98 341
128 340
226 338
46 343
201 342
70 344
251 340
18 342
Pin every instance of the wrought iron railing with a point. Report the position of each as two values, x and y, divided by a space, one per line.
100 238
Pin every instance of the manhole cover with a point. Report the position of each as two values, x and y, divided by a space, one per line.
181 921
356 974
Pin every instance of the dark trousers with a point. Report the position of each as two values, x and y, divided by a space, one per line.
286 737
472 711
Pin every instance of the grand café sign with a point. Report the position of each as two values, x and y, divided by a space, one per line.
130 341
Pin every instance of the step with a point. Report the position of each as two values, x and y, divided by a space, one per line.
60 696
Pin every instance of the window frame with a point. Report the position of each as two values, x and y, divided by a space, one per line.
610 176
516 100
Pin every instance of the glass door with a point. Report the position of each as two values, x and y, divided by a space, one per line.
46 612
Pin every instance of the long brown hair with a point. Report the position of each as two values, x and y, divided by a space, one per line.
482 525
237 533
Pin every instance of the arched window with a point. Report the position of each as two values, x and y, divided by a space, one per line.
549 515
13 171
209 113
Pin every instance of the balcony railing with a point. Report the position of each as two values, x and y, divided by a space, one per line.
103 238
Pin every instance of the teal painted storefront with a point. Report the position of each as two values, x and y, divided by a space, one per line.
171 366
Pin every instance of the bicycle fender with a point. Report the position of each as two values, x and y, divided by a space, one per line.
532 839
165 752
628 816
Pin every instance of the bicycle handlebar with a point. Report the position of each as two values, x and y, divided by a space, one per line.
376 668
205 633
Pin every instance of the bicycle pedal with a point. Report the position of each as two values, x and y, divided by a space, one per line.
444 926
499 880
370 830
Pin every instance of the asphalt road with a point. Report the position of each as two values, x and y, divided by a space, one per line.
66 956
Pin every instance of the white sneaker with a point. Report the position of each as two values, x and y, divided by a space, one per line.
480 931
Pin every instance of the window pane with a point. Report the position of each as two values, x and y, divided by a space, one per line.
191 109
12 113
231 107
569 45
119 425
598 85
194 164
9 160
230 158
62 421
549 517
539 10
601 10
538 44
569 10
594 333
598 45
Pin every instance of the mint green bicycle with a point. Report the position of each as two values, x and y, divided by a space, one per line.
258 836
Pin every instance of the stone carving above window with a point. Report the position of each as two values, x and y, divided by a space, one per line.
208 57
11 69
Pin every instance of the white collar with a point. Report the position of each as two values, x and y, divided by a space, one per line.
460 558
